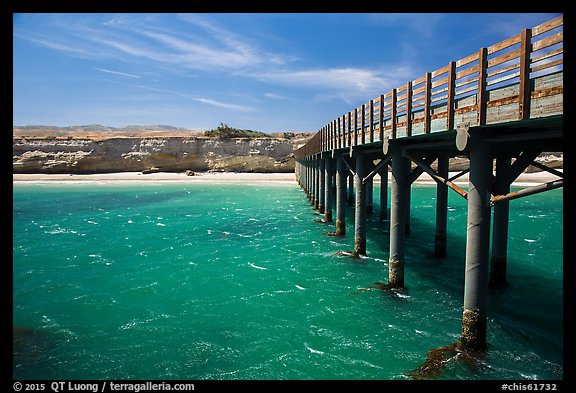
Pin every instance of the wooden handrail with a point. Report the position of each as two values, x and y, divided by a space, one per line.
445 93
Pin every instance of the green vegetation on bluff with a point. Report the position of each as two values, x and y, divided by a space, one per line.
224 131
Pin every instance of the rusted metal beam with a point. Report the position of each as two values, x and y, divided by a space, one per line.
439 179
527 191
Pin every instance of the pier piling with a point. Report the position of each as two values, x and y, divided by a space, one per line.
398 204
477 245
341 174
322 182
360 211
500 228
328 190
441 209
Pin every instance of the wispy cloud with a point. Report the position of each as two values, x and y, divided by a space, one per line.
211 48
225 105
203 100
118 73
350 82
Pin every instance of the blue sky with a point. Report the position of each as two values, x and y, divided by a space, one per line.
266 72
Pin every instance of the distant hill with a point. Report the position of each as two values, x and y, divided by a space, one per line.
100 132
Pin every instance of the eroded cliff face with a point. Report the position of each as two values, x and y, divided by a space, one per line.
171 154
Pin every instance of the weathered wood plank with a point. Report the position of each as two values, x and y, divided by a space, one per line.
418 90
467 71
482 97
371 119
394 126
381 117
439 98
501 113
503 78
504 44
467 60
508 56
441 71
547 26
547 65
409 108
467 82
427 102
464 91
439 91
440 82
547 55
419 80
548 41
503 69
524 95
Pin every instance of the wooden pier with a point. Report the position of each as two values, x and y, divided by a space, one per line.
500 107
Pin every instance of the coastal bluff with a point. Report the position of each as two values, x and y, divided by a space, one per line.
169 154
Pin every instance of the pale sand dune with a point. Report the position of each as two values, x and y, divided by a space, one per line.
233 177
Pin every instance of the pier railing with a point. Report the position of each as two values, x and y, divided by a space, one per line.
516 79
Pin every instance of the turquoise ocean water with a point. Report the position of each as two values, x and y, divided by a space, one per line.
194 281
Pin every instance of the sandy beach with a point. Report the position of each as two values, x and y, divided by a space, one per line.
286 179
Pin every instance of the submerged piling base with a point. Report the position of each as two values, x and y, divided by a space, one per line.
438 359
395 274
473 331
340 228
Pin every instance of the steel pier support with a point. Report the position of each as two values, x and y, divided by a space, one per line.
316 184
322 181
328 190
441 209
477 246
350 190
398 205
500 228
360 211
384 193
341 174
370 196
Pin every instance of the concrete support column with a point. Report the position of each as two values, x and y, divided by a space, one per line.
370 196
307 177
477 246
441 209
408 200
341 173
384 193
350 189
322 187
500 228
315 199
360 211
398 205
328 190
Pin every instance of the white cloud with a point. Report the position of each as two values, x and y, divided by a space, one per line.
349 81
225 105
118 73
